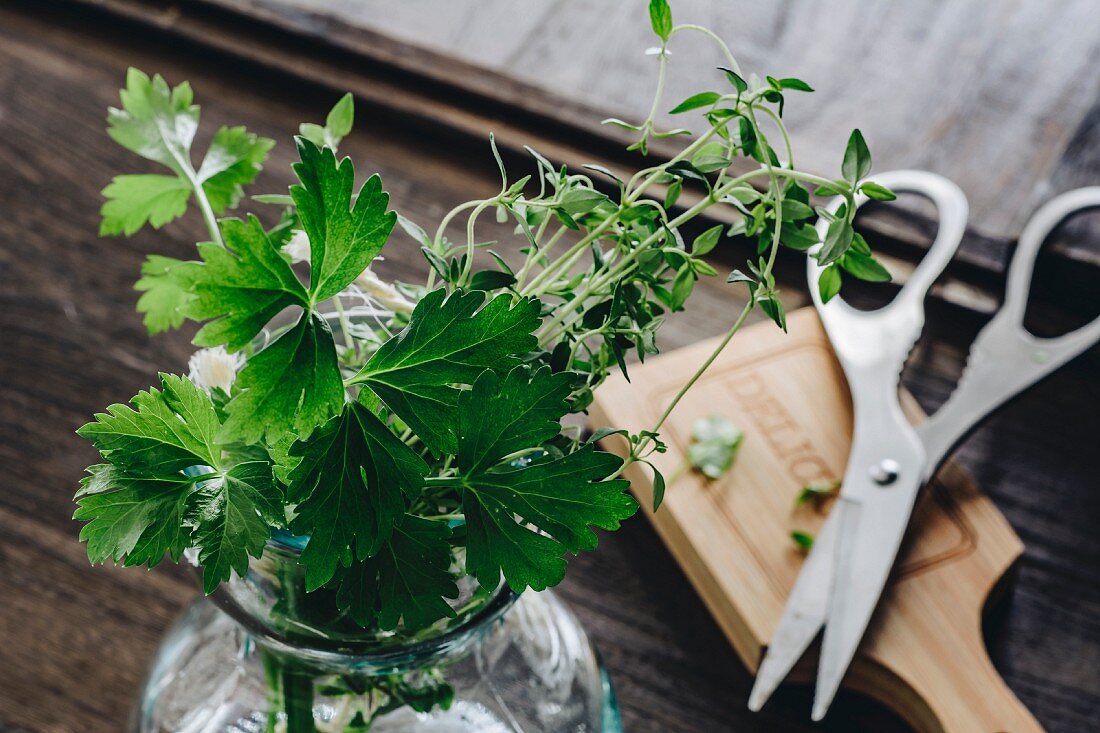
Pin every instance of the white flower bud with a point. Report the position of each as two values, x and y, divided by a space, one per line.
216 367
383 292
298 247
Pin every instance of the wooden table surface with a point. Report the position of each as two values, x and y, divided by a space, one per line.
74 640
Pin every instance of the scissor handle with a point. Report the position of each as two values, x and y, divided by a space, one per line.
1006 358
1035 233
849 328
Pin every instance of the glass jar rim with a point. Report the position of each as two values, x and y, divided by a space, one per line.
377 653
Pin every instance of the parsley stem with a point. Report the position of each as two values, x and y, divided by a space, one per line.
207 213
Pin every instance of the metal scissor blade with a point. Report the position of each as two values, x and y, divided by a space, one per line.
803 616
870 528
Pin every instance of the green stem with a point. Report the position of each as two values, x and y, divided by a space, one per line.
274 679
298 700
734 66
566 310
576 249
636 451
470 222
207 213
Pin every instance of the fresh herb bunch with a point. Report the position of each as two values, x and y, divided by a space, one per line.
425 443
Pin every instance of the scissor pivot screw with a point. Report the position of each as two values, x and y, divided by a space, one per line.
885 472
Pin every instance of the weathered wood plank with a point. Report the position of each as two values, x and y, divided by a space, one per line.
992 95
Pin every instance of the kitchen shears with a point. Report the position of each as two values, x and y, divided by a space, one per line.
844 574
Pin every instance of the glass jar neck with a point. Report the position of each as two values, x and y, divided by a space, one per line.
271 603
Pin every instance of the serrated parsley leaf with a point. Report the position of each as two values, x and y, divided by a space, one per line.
562 498
165 287
350 486
502 415
163 489
170 430
522 519
343 238
242 285
449 341
232 515
406 582
136 518
155 122
233 160
337 125
293 385
159 123
136 200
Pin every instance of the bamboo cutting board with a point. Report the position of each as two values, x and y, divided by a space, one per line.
923 655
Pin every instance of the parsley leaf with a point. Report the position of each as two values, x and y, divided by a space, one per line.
233 160
143 503
155 122
233 515
136 518
350 487
343 238
560 497
522 410
407 581
136 200
337 125
449 340
159 123
169 431
293 385
556 500
242 286
165 287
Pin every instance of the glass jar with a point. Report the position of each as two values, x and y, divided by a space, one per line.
260 655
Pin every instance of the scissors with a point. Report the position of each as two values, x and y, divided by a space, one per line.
890 460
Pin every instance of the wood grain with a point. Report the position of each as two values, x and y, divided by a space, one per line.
74 640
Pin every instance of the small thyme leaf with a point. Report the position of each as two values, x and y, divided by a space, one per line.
857 158
816 491
876 191
803 540
660 18
828 284
695 101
